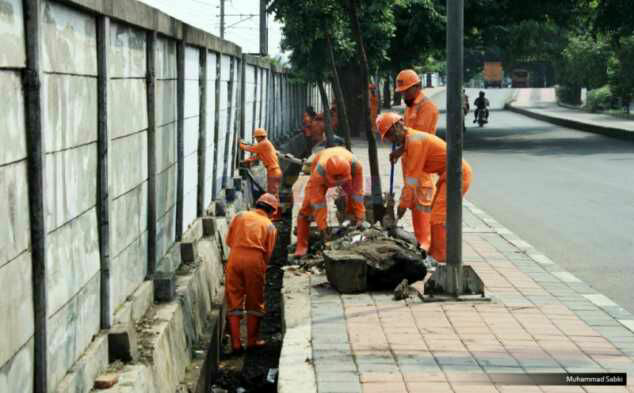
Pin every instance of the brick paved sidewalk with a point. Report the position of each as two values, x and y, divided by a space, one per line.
540 319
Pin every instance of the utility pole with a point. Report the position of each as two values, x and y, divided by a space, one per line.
222 19
264 32
455 32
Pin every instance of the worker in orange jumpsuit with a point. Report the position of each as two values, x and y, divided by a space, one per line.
423 153
420 114
331 167
307 120
265 152
252 238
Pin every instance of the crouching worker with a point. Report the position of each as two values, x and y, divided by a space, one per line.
422 153
252 240
265 152
331 167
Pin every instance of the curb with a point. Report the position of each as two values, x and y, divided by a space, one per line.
577 125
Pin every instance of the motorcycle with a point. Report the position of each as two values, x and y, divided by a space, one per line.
480 119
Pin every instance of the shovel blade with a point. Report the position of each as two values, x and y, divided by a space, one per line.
389 219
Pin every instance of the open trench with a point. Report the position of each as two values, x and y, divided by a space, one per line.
256 371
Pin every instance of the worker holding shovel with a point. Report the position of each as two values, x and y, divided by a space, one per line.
420 114
265 152
422 154
331 167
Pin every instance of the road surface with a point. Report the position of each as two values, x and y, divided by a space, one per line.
568 193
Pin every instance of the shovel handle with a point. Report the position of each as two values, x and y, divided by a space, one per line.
392 172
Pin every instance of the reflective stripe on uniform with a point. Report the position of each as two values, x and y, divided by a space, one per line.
320 170
423 208
411 181
358 198
234 312
320 205
418 136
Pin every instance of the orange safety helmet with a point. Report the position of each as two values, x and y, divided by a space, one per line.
406 79
269 200
385 121
338 166
259 132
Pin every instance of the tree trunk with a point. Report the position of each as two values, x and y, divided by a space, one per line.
324 101
342 113
387 94
351 83
377 195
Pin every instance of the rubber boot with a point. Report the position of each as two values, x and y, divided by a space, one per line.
234 331
253 332
303 233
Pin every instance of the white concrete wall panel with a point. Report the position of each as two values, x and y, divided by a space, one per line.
69 111
222 133
225 67
165 232
128 163
128 218
165 102
14 210
71 184
192 63
16 307
69 40
127 111
72 259
13 134
166 190
128 270
165 145
189 209
190 138
16 375
192 98
12 52
71 329
127 53
166 58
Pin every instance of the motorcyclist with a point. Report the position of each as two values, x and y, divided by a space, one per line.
482 104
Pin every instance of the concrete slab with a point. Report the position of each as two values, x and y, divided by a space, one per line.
71 330
189 208
11 114
192 63
93 361
600 300
69 42
165 101
192 98
16 375
166 190
166 58
127 100
191 131
136 305
71 184
72 259
165 145
127 54
128 270
12 51
190 176
17 314
128 163
14 207
128 218
69 111
165 233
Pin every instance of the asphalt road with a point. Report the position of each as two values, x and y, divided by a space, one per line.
568 193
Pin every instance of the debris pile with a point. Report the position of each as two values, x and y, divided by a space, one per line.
368 258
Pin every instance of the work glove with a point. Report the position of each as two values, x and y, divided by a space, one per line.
400 212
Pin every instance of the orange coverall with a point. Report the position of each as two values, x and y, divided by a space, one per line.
422 116
252 239
425 154
315 194
265 151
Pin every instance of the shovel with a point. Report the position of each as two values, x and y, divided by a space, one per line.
389 220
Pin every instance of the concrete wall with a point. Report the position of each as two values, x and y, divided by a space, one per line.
16 309
70 112
128 123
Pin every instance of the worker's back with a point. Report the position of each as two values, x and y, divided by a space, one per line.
422 115
252 229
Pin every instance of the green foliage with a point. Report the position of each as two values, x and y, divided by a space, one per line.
621 69
600 99
585 62
614 17
569 94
